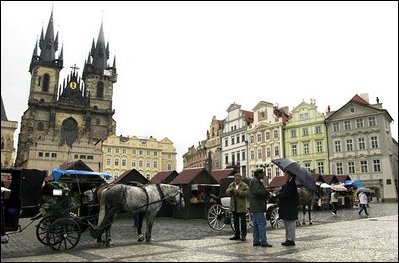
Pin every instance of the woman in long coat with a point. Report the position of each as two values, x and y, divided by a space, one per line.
288 208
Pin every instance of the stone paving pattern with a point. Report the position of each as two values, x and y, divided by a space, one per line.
346 237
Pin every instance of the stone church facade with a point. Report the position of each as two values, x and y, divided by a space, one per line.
65 119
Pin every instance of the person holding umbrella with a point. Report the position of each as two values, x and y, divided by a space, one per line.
363 203
288 208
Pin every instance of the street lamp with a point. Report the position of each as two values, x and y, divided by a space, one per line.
247 169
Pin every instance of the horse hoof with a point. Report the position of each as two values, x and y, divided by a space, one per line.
147 240
141 238
310 223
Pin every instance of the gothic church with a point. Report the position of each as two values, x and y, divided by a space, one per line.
65 120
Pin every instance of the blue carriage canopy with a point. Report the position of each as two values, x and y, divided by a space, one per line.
57 173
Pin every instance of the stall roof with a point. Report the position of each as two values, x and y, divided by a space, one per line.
330 178
278 181
343 178
164 177
220 174
75 165
318 178
131 177
194 176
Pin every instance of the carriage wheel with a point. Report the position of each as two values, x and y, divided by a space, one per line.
43 227
275 220
63 234
216 215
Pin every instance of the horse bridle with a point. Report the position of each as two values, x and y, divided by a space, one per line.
169 199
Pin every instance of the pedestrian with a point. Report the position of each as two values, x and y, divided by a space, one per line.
363 203
238 190
288 208
257 206
334 202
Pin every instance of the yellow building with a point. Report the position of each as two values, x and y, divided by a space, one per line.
146 155
7 138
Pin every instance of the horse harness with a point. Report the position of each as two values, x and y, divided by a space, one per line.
161 194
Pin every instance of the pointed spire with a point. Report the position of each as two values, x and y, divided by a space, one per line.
89 59
61 56
114 65
99 55
56 42
35 50
47 45
107 50
41 39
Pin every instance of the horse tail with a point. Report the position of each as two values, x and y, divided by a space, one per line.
101 213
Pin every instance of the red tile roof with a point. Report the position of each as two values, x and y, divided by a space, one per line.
329 178
359 100
162 177
343 178
186 176
220 174
278 181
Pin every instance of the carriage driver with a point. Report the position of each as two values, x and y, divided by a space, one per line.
238 190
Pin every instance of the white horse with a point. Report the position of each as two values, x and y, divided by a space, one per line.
145 200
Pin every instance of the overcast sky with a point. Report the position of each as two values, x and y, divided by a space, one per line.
180 63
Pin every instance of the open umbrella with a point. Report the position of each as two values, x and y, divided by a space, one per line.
363 189
325 185
338 188
303 176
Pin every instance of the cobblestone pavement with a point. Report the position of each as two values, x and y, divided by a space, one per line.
346 237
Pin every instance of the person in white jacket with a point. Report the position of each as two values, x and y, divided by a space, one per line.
363 200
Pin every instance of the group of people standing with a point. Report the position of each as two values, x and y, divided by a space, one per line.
363 200
257 196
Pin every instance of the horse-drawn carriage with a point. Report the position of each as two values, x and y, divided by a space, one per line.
219 214
66 205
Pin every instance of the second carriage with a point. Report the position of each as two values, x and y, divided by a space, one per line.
220 215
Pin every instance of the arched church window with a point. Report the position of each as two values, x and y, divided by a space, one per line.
40 126
100 89
2 143
46 82
69 131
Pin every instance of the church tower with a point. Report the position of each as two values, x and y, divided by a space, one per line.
64 120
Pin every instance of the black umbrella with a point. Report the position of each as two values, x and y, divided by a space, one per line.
303 176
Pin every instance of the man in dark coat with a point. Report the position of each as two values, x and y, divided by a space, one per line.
257 206
288 208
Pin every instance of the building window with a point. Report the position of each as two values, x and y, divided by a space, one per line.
124 151
347 125
318 129
140 164
293 133
275 135
359 123
243 155
116 162
268 152
339 168
363 166
361 144
372 121
169 167
276 151
349 145
258 137
155 153
319 147
337 146
351 167
376 166
320 167
374 142
336 127
124 162
108 149
46 154
53 155
226 158
133 163
226 142
307 166
140 152
259 153
294 149
252 154
108 162
306 148
148 164
148 152
46 82
116 150
305 132
100 89
40 154
155 164
267 135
